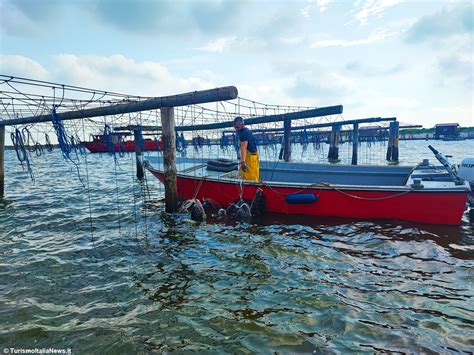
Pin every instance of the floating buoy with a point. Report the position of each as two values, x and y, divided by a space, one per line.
296 199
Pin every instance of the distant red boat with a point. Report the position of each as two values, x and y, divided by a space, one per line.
100 144
425 194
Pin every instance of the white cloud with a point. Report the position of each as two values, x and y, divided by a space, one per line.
20 66
373 8
323 4
374 37
320 5
217 46
122 74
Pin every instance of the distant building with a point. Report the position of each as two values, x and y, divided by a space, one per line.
446 130
371 133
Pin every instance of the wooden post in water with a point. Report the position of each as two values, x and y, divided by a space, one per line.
138 153
287 140
393 140
333 154
169 158
355 143
2 161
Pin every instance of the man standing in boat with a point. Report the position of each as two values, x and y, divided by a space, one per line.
249 163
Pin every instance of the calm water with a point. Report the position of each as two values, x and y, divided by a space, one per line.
100 271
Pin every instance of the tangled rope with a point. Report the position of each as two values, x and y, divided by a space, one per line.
66 143
21 152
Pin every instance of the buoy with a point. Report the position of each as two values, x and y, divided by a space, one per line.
296 199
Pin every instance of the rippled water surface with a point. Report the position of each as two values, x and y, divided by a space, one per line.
99 271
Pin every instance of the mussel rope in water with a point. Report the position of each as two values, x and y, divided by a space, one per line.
87 182
21 152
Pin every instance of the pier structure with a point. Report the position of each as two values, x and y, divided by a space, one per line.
55 109
166 104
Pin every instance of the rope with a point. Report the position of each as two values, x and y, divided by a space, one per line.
66 145
21 152
338 190
49 146
88 185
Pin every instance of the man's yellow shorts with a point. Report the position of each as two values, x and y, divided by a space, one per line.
253 167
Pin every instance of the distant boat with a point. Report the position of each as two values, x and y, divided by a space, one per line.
100 144
424 194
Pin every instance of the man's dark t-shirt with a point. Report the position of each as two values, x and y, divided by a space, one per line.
246 136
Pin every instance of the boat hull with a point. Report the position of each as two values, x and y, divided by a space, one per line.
436 207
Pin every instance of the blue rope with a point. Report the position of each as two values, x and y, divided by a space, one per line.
224 141
66 145
49 146
21 152
180 143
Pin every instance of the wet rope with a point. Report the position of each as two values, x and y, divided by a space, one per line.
21 152
324 184
88 186
66 145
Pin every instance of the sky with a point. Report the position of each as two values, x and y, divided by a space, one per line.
407 59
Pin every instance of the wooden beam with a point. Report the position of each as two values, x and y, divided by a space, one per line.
190 98
322 125
318 112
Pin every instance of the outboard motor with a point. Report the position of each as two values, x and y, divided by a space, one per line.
466 170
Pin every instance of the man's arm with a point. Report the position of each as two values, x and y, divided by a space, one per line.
243 151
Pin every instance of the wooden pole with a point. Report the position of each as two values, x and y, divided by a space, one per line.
355 143
396 140
393 140
287 140
169 159
2 161
333 154
138 153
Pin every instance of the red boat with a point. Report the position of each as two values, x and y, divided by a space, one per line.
424 193
100 144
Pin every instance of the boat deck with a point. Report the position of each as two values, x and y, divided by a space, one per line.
431 177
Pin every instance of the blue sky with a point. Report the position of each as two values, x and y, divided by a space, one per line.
409 59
